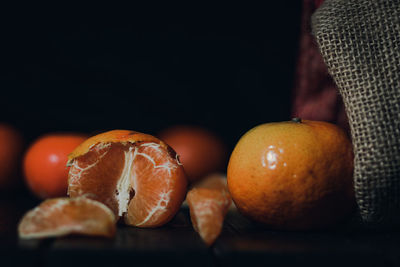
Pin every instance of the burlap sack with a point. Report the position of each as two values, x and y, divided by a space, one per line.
360 43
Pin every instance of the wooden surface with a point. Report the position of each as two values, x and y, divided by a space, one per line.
241 243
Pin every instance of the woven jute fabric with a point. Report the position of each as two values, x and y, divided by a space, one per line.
360 43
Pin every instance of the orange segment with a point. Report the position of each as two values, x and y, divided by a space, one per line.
160 186
63 216
95 174
141 181
209 202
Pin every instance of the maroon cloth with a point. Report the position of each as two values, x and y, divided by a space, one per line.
315 96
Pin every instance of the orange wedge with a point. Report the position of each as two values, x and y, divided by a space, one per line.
209 202
63 216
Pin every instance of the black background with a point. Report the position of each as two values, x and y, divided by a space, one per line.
225 68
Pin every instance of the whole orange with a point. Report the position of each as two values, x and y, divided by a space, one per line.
44 165
294 175
11 145
200 151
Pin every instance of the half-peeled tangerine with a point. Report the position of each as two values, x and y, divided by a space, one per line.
136 175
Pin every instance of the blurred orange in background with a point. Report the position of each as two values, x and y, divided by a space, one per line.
11 147
200 151
45 161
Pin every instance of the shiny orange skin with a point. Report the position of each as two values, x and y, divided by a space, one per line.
200 151
11 145
293 175
44 164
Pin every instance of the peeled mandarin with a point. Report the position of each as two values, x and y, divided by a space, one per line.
136 175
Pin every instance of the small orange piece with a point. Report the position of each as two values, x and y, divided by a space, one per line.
200 151
64 216
45 162
209 202
138 176
10 154
293 175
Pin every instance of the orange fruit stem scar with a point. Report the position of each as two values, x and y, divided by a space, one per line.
136 175
298 120
64 216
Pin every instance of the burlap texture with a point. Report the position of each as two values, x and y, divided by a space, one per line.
360 43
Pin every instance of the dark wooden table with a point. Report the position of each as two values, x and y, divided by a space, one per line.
242 243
